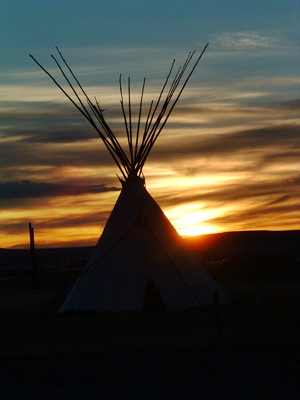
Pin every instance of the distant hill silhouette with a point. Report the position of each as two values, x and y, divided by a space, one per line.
46 258
248 242
250 255
245 243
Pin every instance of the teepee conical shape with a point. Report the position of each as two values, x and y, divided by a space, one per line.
140 261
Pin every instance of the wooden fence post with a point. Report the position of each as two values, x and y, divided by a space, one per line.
220 333
32 253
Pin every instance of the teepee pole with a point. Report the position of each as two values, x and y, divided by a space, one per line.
150 117
114 149
174 85
139 145
130 122
123 109
139 120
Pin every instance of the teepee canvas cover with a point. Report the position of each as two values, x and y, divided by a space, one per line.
140 248
140 261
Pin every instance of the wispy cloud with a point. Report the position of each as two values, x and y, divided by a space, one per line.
247 41
29 189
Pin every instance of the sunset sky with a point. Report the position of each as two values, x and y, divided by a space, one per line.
229 157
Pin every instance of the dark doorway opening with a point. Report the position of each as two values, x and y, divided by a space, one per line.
153 301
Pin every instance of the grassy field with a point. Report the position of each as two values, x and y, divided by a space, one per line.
261 313
165 355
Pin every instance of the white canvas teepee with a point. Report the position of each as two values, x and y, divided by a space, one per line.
140 261
140 249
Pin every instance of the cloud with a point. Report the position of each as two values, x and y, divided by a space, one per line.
251 40
279 200
28 189
52 222
290 104
271 217
234 192
260 146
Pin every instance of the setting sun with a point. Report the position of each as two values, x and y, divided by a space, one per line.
190 220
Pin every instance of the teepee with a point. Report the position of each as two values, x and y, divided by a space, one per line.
140 261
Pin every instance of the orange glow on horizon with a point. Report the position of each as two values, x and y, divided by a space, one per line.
192 220
79 220
62 237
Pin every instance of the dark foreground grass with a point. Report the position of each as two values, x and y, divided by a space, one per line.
46 355
262 314
40 334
